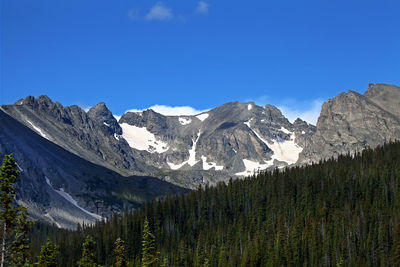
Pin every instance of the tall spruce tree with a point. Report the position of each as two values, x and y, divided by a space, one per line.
14 222
88 258
48 255
119 253
149 253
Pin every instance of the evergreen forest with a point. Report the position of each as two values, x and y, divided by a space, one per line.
339 212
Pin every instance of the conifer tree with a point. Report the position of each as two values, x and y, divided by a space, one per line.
88 258
48 255
149 254
14 222
119 253
20 246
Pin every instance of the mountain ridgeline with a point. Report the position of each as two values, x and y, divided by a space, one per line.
72 160
341 212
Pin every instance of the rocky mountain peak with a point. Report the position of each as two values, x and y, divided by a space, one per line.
352 121
102 115
385 96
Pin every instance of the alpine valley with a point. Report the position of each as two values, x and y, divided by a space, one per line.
79 166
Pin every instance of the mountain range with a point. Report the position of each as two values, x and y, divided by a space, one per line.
80 166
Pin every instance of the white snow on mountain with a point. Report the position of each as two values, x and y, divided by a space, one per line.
203 116
141 139
185 120
192 152
106 124
38 130
251 167
192 156
71 200
209 165
249 107
284 150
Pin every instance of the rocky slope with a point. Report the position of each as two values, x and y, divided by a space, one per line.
350 122
62 188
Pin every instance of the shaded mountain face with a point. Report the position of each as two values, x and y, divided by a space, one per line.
62 188
350 122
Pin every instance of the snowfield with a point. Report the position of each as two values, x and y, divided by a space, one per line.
251 167
203 116
141 139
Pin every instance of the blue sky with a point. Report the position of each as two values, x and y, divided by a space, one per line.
136 54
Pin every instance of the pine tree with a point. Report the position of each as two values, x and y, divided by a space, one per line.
14 242
88 258
20 246
119 253
48 255
149 254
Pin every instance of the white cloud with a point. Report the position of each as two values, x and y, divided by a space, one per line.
159 12
202 7
172 111
309 114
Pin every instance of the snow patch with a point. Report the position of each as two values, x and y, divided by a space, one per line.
284 150
192 152
207 166
248 122
71 200
249 107
38 130
251 167
203 116
117 136
303 132
106 124
286 131
192 156
176 166
141 139
185 120
48 181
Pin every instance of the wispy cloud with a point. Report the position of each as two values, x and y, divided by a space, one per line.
202 7
159 12
171 111
307 110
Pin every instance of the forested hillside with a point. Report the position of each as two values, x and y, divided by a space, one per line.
343 212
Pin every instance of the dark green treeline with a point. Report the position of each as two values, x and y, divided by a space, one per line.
343 212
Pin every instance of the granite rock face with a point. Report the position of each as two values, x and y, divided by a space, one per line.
351 122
